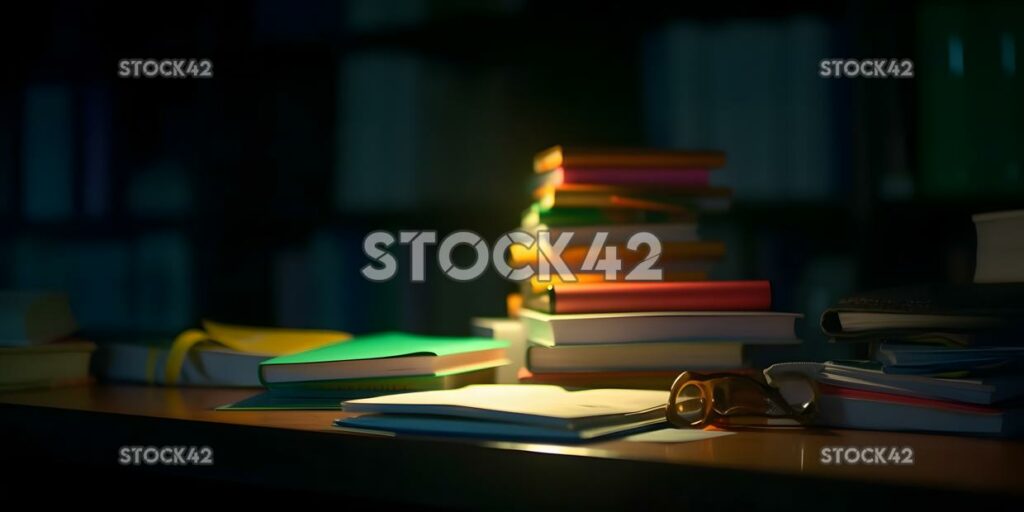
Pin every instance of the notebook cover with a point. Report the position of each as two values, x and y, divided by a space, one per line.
386 345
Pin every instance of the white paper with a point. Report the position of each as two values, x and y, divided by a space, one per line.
676 435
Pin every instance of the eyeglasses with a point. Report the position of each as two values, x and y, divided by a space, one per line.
697 400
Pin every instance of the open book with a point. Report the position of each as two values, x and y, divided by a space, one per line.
533 412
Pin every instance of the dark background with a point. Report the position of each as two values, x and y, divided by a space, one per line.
245 197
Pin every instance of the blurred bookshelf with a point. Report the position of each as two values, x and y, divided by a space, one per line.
245 198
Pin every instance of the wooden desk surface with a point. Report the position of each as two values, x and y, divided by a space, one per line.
947 463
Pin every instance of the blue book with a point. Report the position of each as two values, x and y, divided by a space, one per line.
900 358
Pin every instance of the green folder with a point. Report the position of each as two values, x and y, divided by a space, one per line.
388 345
319 392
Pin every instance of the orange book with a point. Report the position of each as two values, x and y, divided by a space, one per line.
558 156
617 380
538 288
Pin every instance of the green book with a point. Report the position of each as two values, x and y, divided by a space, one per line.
391 354
569 216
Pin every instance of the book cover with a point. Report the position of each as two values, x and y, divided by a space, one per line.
697 355
656 326
385 354
575 255
559 156
659 296
937 307
643 178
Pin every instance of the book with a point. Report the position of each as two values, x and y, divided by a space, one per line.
651 379
33 318
1000 253
671 252
676 356
535 290
853 322
509 330
553 216
840 407
143 361
923 309
530 411
228 343
559 156
912 358
620 233
658 296
654 326
388 354
43 366
390 425
642 177
870 376
328 395
674 202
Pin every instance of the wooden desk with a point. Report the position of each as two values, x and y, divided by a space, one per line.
297 450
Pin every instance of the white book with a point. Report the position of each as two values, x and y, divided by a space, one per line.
524 404
1000 256
391 424
505 329
142 363
746 326
636 357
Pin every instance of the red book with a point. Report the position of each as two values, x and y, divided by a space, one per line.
876 396
622 297
657 177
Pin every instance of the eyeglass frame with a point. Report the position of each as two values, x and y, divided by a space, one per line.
705 382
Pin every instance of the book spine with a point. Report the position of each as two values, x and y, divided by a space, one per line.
682 296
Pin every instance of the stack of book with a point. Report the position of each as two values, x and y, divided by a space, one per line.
637 309
37 349
642 335
622 193
945 358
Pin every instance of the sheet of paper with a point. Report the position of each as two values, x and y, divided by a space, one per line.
676 435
